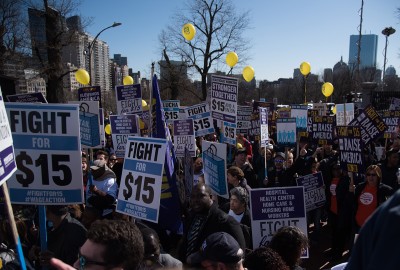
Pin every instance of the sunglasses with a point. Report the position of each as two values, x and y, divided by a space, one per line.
83 261
371 174
279 160
113 159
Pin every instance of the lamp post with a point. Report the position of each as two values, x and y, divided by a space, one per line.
90 47
387 32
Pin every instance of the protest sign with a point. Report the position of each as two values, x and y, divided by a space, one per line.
89 123
184 137
344 114
255 117
48 154
394 104
310 115
243 119
274 208
264 138
27 98
171 110
129 98
224 92
351 148
214 160
142 176
371 124
228 134
314 190
286 132
321 108
392 121
123 126
300 113
7 155
90 93
201 115
323 129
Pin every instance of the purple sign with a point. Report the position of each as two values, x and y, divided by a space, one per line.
90 93
129 98
184 137
28 98
314 190
224 92
322 129
123 126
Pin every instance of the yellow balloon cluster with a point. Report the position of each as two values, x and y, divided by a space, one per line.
128 80
82 76
248 73
188 31
107 129
144 103
305 68
327 89
231 59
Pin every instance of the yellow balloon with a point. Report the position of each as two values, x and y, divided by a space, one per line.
334 109
248 73
141 124
128 80
82 76
327 89
107 129
144 103
188 31
232 59
305 68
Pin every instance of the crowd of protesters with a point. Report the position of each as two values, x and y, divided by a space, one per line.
215 230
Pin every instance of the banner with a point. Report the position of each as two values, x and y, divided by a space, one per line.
123 126
300 113
201 115
171 110
286 132
140 188
224 92
27 98
351 148
184 137
90 93
264 140
344 114
371 124
391 119
214 160
243 119
314 190
323 129
129 99
7 155
48 154
273 208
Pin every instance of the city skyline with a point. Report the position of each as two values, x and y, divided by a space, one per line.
282 35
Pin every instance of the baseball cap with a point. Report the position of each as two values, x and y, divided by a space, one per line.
97 164
280 154
218 247
242 150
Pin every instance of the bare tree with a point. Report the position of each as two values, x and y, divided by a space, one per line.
219 29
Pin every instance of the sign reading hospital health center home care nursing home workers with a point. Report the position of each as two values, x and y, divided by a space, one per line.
7 161
129 98
123 126
140 189
48 154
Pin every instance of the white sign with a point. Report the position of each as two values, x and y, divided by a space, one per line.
48 154
344 111
140 188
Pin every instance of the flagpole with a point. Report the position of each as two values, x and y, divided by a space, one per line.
151 102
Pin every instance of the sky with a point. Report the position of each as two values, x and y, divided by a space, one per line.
282 34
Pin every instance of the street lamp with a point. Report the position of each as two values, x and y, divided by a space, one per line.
90 47
387 32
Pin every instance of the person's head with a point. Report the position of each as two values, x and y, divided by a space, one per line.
279 160
102 155
111 244
85 166
57 210
373 175
112 160
290 159
197 165
392 158
264 258
220 251
240 156
327 148
238 200
289 243
235 175
151 247
266 152
201 198
98 168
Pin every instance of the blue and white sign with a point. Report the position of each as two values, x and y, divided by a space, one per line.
274 208
264 138
89 123
300 113
184 137
314 190
214 160
228 134
7 156
202 120
140 188
129 98
123 126
286 132
48 154
224 92
171 110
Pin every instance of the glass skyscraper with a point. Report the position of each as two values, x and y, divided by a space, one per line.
369 48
